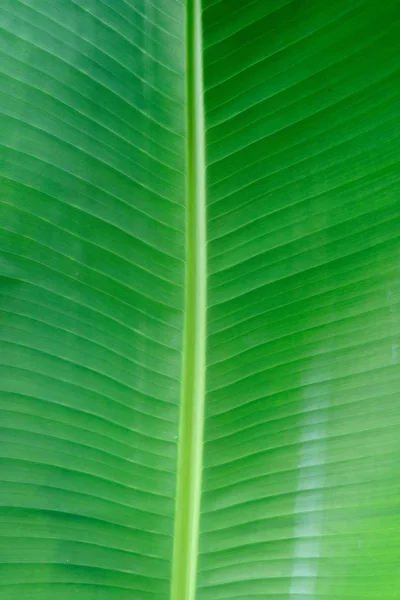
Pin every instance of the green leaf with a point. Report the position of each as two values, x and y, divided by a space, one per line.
199 300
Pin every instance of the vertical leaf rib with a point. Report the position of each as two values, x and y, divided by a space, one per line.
193 375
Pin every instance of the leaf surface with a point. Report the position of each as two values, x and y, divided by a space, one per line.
120 477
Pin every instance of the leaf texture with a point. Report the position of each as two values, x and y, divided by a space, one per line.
92 279
300 479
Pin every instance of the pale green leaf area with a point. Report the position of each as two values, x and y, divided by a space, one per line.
199 300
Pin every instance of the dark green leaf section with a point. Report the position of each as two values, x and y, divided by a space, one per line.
91 295
301 481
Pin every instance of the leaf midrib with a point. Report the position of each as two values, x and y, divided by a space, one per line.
190 445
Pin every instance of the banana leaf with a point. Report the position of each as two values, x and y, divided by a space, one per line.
199 300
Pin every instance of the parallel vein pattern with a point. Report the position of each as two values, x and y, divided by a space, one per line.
300 476
91 298
301 479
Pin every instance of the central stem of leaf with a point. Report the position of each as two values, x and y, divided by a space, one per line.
190 449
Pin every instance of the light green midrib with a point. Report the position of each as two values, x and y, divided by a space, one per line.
190 445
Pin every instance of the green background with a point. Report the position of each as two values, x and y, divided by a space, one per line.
301 478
